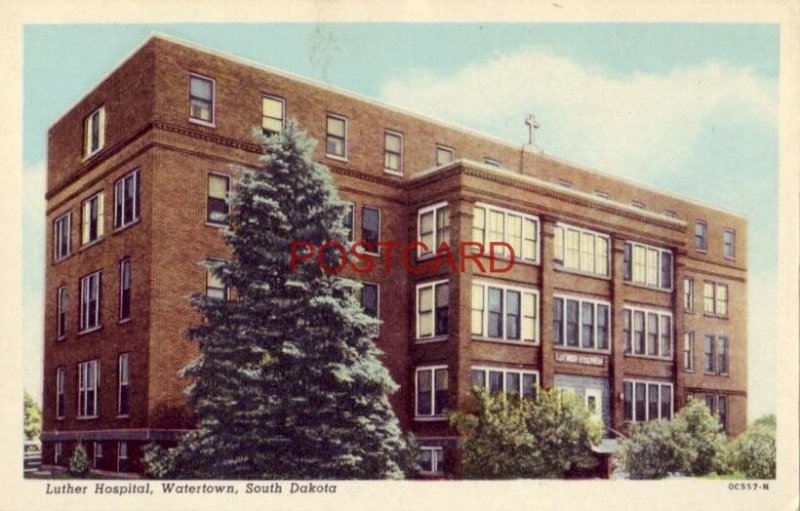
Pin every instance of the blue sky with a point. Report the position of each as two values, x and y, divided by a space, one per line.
689 108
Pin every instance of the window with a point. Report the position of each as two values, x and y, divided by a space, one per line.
431 460
444 155
637 204
87 389
602 195
393 152
370 299
215 288
519 230
92 219
58 450
492 162
433 309
708 354
126 200
349 219
722 411
124 395
272 115
336 138
652 332
370 228
722 353
432 392
122 457
581 250
715 299
710 402
62 239
647 400
97 457
125 289
587 323
90 302
505 313
61 381
217 206
729 243
688 294
670 214
509 381
94 132
647 265
700 240
688 351
201 99
61 320
565 183
433 224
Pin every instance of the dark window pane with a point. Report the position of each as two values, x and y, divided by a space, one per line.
641 391
626 265
369 299
495 312
528 384
558 321
370 229
479 378
512 314
495 381
587 321
666 270
627 391
652 402
666 402
512 383
572 323
602 326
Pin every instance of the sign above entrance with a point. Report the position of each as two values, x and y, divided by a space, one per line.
575 358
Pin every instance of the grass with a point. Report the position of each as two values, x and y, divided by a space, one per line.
732 476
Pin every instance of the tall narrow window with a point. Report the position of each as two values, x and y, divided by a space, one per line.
393 152
700 238
62 238
708 353
122 457
587 325
722 353
479 225
215 288
444 155
370 228
87 389
61 381
434 228
57 453
665 332
92 219
627 393
126 200
495 312
94 132
626 329
721 296
432 391
513 306
711 402
124 395
433 310
638 332
688 294
272 115
729 243
602 326
125 289
558 321
708 297
652 334
336 138
477 310
722 411
431 460
97 455
61 320
369 299
572 322
217 202
688 351
666 402
349 218
201 99
90 301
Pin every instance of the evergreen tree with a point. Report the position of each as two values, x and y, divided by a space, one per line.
289 384
79 462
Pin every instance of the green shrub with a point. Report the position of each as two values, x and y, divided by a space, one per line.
541 437
654 450
704 441
754 451
79 462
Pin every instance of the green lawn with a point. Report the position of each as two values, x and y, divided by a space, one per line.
733 476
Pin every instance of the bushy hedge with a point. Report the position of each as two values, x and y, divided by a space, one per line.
753 452
79 462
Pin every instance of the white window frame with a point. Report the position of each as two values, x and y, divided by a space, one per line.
123 380
560 250
87 132
196 120
432 369
715 301
484 335
90 284
505 371
581 300
62 227
688 294
352 205
97 453
210 275
647 312
732 232
723 340
433 209
342 157
445 149
648 250
125 265
704 247
647 384
120 222
84 388
392 133
518 258
270 97
61 392
363 247
437 460
688 351
228 183
86 218
431 284
122 454
62 305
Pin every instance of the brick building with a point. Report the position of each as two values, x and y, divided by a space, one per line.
634 299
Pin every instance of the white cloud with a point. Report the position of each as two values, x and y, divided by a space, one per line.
627 124
33 214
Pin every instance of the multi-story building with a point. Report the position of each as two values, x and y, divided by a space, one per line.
633 298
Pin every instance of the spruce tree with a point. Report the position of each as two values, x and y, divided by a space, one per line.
289 384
